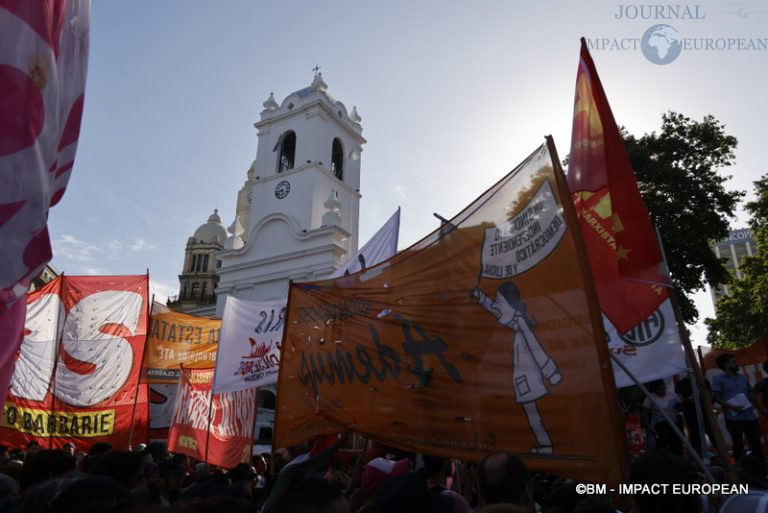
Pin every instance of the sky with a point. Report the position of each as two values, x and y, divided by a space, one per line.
452 94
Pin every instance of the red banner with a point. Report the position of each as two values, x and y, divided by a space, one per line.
77 372
621 243
230 423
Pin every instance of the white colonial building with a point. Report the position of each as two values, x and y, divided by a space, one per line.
296 216
297 213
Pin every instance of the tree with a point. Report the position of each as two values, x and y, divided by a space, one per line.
742 314
678 174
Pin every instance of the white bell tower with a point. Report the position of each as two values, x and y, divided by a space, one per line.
297 213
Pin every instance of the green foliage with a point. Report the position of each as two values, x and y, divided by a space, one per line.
742 314
678 173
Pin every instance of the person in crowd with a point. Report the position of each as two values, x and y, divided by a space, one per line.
593 505
260 465
180 459
45 464
760 390
32 448
504 478
436 471
750 473
99 448
125 467
171 476
375 473
242 480
407 493
684 389
315 495
732 391
5 456
661 400
91 494
151 492
97 451
337 474
658 466
38 498
756 501
557 496
69 449
9 494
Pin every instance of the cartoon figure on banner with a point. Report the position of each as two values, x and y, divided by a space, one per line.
531 363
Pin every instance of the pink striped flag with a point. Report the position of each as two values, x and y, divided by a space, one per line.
43 58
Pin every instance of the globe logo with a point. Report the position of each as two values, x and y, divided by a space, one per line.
661 44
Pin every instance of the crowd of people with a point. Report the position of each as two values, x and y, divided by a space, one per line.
149 479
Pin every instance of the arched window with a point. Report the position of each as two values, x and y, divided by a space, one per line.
337 159
266 399
287 155
205 263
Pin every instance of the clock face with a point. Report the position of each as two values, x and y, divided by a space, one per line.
282 189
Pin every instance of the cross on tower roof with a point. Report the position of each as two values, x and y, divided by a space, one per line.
316 69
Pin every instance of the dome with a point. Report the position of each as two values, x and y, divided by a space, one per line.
212 231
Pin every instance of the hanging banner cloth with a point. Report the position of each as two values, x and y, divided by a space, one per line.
78 368
483 337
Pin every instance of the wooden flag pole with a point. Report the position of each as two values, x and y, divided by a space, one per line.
700 383
141 370
699 414
612 396
706 397
59 336
255 419
208 429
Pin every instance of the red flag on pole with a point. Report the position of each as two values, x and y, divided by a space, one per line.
43 58
624 255
218 429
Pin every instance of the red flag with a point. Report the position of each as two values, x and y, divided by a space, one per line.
219 430
624 255
43 58
77 371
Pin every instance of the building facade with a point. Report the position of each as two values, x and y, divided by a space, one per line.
733 250
296 216
198 278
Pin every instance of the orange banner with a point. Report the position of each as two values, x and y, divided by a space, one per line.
484 337
177 339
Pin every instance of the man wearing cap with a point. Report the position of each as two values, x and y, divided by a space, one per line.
375 473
